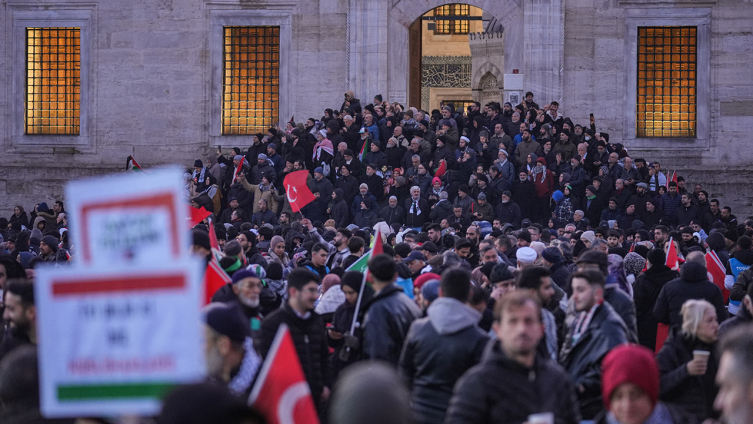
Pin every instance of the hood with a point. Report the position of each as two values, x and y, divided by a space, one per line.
744 256
693 272
448 316
36 234
339 194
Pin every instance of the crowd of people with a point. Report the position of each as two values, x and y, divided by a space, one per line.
524 274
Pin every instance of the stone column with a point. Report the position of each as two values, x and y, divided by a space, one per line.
544 48
367 48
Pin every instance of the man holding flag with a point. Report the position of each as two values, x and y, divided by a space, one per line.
306 329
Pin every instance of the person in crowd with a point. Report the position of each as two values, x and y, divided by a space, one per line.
388 315
441 347
512 383
688 361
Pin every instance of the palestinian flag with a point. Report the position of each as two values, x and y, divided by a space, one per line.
132 165
363 149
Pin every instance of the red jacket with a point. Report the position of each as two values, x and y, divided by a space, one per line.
545 188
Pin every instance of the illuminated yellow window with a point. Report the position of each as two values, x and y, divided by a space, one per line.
667 76
53 81
454 24
251 79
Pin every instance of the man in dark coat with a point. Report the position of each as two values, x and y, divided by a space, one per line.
348 184
339 210
307 330
592 335
646 290
692 284
416 208
392 213
508 211
388 315
512 382
441 347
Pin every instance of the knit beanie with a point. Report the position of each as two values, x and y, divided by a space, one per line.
633 263
630 364
51 242
657 257
552 254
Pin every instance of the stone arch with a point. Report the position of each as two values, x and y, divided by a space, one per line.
507 12
484 71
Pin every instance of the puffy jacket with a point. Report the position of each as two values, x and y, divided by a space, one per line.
436 353
693 394
645 292
386 324
582 358
501 390
509 213
692 284
309 337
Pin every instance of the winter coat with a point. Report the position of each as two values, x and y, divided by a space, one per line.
509 213
740 287
436 353
582 358
386 324
412 218
349 186
693 394
309 337
264 170
692 284
339 210
369 199
324 186
365 218
440 211
392 215
645 293
523 149
501 390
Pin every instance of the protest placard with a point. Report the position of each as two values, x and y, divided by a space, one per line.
114 342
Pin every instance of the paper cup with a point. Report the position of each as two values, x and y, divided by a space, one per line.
702 355
542 418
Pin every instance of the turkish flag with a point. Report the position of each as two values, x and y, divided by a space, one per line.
297 191
442 168
197 215
214 279
213 237
716 269
281 392
672 262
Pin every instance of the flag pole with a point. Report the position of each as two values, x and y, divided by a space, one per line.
358 302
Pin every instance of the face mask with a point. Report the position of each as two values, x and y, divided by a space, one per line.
588 138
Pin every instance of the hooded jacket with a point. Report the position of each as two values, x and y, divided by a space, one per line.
692 284
436 353
338 210
501 390
645 293
386 324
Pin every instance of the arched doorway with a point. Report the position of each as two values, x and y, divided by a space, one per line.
441 59
378 47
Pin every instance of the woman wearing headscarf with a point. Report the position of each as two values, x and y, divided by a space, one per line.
276 252
19 214
630 389
331 298
616 274
688 361
346 344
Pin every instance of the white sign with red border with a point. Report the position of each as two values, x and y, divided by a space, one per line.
128 219
113 342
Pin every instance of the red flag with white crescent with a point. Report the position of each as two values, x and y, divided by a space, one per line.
281 392
299 194
672 262
716 269
214 279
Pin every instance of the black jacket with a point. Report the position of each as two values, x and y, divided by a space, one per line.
582 358
500 390
392 215
339 211
436 353
625 308
413 219
645 292
310 339
386 323
693 394
692 284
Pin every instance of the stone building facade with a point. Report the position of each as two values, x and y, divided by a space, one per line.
151 77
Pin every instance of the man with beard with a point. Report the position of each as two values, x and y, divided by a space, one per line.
244 290
348 184
225 333
306 329
526 147
512 383
392 213
21 315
